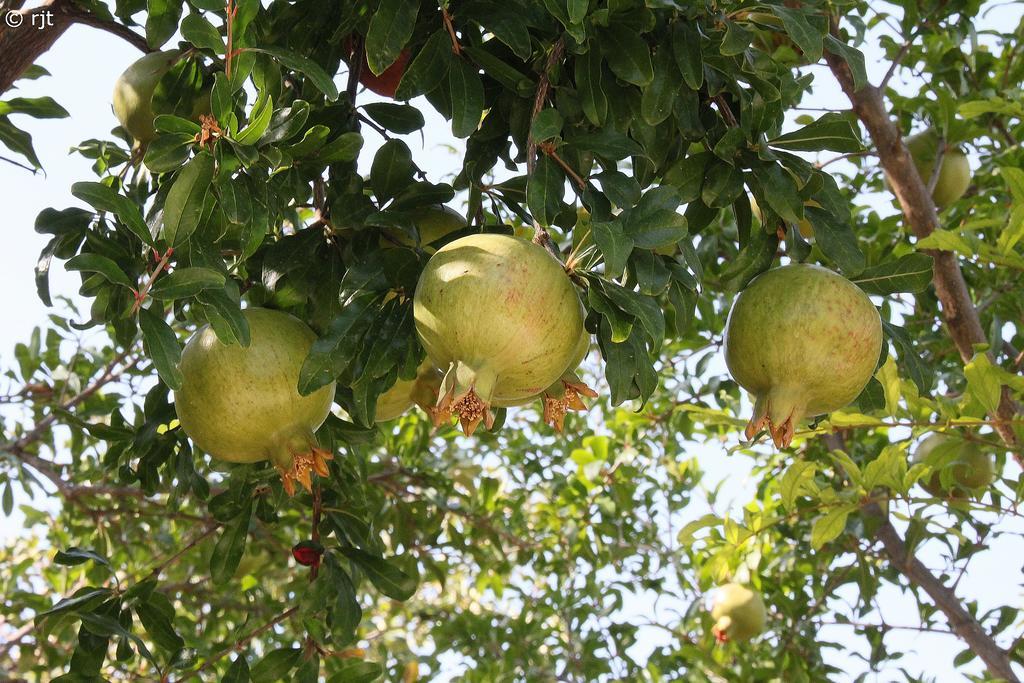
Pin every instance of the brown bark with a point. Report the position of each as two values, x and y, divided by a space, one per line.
960 620
39 29
958 309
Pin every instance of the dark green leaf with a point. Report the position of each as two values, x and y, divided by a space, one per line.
627 53
588 83
197 30
398 118
832 131
357 671
384 574
313 71
428 69
105 198
275 665
230 547
161 346
390 29
544 190
96 263
184 205
836 240
686 42
391 170
159 627
910 273
467 95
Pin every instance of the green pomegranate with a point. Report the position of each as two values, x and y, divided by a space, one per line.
404 394
133 94
432 223
499 315
738 612
242 404
564 395
973 468
804 341
954 173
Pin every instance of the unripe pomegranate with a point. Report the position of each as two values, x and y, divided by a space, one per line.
804 341
242 404
954 172
972 468
738 612
432 223
133 94
421 390
499 315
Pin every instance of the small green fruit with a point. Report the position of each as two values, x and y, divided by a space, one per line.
432 224
133 94
738 612
973 468
954 173
421 391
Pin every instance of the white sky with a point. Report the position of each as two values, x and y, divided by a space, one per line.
85 64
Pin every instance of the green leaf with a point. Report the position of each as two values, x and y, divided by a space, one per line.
686 42
627 53
168 152
356 671
390 29
259 120
910 273
104 198
608 143
96 263
398 118
828 527
546 125
854 59
159 627
983 382
286 123
162 18
36 107
313 71
654 222
186 282
343 148
238 672
428 68
614 243
230 547
335 350
836 240
184 204
588 84
18 141
833 131
798 480
660 95
384 574
161 347
75 556
806 36
275 665
391 171
197 30
910 361
81 599
544 190
467 94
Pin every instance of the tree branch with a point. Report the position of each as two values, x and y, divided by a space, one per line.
958 310
542 236
40 28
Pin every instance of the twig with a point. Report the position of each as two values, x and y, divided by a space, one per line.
196 540
447 18
140 296
355 68
231 11
242 642
542 236
33 171
79 16
550 150
842 157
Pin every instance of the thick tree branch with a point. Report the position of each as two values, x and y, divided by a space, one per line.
39 29
960 620
958 310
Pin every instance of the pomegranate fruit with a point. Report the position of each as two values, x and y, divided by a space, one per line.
973 468
804 341
133 94
501 318
954 172
242 404
421 390
738 612
432 224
